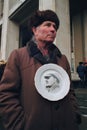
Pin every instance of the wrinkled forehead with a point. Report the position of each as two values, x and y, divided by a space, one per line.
47 23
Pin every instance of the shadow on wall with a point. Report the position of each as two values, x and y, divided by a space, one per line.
2 66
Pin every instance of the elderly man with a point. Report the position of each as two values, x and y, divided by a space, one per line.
21 106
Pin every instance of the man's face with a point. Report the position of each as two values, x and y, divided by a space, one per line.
49 80
46 32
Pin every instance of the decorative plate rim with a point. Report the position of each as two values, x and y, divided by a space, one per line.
62 76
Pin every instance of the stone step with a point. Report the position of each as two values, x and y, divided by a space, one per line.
83 125
83 110
81 95
82 102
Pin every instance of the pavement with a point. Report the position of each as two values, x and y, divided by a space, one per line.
81 94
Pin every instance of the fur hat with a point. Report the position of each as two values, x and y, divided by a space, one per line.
40 16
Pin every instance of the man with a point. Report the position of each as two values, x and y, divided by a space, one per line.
81 71
51 82
21 106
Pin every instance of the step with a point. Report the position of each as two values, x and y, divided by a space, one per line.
83 110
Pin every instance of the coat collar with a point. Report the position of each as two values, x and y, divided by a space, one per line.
33 51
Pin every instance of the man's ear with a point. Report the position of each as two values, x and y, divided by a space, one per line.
33 30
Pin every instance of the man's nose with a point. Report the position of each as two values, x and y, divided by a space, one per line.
52 28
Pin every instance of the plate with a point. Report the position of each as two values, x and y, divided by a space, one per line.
52 82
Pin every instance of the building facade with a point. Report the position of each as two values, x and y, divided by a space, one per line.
71 36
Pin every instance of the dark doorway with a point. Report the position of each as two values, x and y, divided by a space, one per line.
21 16
77 6
25 35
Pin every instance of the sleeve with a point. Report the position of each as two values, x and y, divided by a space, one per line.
72 96
11 109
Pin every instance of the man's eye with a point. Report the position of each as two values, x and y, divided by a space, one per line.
55 27
48 24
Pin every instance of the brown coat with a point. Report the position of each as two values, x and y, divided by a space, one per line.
22 108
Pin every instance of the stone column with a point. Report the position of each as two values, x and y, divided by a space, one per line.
63 35
12 37
10 33
47 4
85 35
4 28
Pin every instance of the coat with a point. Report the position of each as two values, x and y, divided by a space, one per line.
23 108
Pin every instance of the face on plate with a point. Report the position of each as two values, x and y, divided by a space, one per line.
46 32
49 80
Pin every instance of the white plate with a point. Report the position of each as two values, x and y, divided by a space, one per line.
52 82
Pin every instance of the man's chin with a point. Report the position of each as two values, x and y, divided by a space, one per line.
49 41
